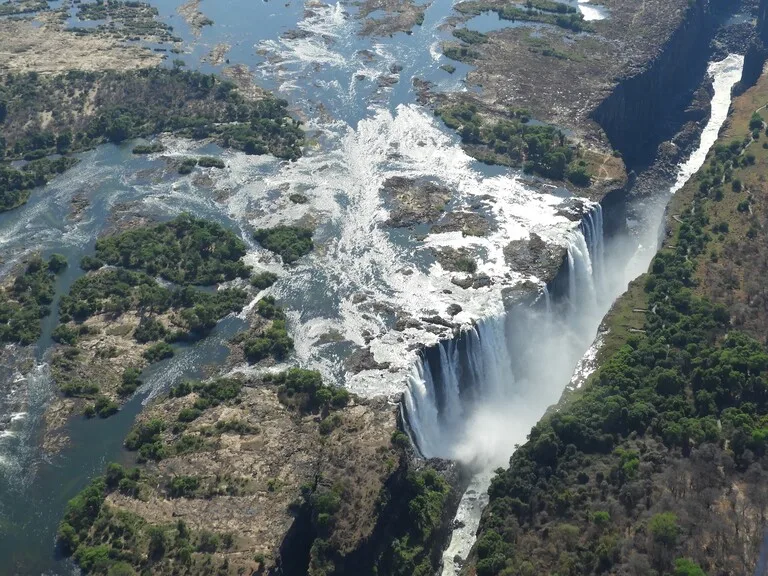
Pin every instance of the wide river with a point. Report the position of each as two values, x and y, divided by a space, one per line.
362 129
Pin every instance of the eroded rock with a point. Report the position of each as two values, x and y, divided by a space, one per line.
414 202
534 256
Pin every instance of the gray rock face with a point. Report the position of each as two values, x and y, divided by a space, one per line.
534 256
414 202
453 309
455 259
468 223
362 359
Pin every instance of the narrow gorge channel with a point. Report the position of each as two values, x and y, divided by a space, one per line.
473 398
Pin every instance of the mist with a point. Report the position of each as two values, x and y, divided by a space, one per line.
473 399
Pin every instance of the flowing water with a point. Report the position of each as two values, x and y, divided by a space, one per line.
475 398
362 130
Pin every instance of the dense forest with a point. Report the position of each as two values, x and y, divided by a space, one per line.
27 299
186 250
657 466
120 285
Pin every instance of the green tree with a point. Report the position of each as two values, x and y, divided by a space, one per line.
687 567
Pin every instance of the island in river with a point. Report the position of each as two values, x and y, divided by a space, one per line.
263 463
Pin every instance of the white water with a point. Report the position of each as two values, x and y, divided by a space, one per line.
591 13
535 352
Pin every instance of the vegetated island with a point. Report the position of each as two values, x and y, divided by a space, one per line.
657 464
116 106
260 474
551 87
117 318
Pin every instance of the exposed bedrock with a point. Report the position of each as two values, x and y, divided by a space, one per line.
649 106
757 53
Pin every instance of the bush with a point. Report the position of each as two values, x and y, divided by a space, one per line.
664 528
57 263
88 263
105 407
183 486
263 280
148 330
289 242
130 381
687 567
157 352
209 542
210 162
148 148
63 334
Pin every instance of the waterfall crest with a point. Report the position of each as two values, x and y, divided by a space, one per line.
468 398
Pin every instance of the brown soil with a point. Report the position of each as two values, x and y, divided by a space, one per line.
49 49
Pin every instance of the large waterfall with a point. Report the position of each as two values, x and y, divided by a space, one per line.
474 398
469 398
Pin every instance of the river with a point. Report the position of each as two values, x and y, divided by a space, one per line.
361 132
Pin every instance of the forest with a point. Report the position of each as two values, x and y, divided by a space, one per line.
26 300
185 250
538 149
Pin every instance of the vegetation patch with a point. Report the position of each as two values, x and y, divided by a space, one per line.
305 391
16 184
470 36
186 250
148 148
103 539
541 11
537 148
289 242
460 53
131 104
25 301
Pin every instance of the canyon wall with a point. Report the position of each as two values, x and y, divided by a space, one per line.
648 107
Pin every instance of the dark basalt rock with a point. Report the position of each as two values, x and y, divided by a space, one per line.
453 309
362 359
414 202
438 321
468 223
465 282
534 256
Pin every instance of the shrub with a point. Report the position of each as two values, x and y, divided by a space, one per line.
157 352
148 330
130 381
263 280
289 242
183 486
57 263
105 407
210 162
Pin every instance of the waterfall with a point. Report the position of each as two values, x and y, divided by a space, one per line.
464 394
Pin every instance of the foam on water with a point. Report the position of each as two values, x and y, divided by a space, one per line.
623 262
357 251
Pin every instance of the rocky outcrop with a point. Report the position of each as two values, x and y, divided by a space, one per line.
414 202
757 53
648 107
534 256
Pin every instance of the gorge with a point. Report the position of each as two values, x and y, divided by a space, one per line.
458 322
